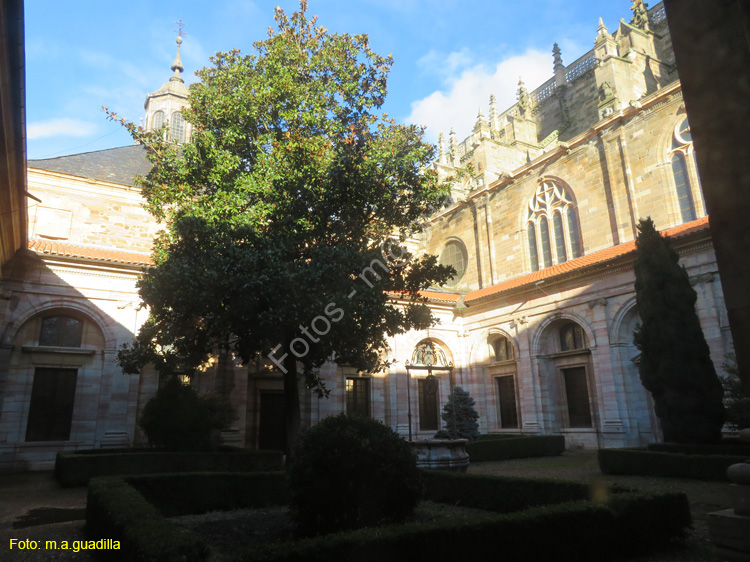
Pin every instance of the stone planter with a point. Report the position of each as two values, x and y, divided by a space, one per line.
449 454
729 529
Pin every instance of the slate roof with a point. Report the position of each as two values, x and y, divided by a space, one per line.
597 258
63 249
116 165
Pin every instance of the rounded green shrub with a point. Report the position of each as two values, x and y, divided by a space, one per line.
179 419
351 472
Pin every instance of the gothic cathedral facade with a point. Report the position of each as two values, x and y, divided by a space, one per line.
537 325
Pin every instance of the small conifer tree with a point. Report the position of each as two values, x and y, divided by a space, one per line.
736 400
675 363
459 416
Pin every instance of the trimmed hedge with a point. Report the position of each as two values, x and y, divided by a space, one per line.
115 510
200 492
626 522
132 510
75 468
672 465
502 495
737 448
504 447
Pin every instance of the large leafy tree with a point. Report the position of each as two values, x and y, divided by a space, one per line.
286 214
675 364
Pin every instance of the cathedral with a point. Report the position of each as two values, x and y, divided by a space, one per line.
537 324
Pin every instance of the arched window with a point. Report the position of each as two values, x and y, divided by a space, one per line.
533 254
571 337
177 129
54 372
503 349
552 202
454 254
681 156
574 229
546 249
158 120
562 254
61 331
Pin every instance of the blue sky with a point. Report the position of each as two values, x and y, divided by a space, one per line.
450 55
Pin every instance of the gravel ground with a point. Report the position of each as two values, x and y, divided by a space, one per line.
34 506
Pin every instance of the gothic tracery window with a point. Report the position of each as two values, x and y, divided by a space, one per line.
682 157
559 241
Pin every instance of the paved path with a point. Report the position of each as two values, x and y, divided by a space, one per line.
34 506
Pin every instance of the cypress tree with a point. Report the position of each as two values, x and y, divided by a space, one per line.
675 364
459 416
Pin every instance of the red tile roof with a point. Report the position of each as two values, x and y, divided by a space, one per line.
583 262
437 296
63 249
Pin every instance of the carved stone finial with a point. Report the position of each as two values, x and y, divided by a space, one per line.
640 14
557 56
452 145
481 123
177 64
493 109
524 103
441 148
602 29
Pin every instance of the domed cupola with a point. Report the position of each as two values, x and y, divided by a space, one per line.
165 106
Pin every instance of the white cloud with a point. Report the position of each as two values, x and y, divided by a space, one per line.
60 127
469 89
446 66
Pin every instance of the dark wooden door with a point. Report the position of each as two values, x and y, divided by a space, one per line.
272 426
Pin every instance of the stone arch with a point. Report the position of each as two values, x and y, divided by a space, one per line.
28 311
58 386
638 403
541 331
622 320
496 382
568 382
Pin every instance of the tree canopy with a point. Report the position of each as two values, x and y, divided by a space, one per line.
286 213
675 363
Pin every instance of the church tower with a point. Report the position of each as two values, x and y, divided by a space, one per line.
166 104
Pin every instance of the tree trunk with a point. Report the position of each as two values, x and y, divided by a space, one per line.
291 395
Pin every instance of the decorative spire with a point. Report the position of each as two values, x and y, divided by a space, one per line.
481 123
452 145
523 97
557 55
441 149
177 64
604 44
493 110
602 29
559 68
